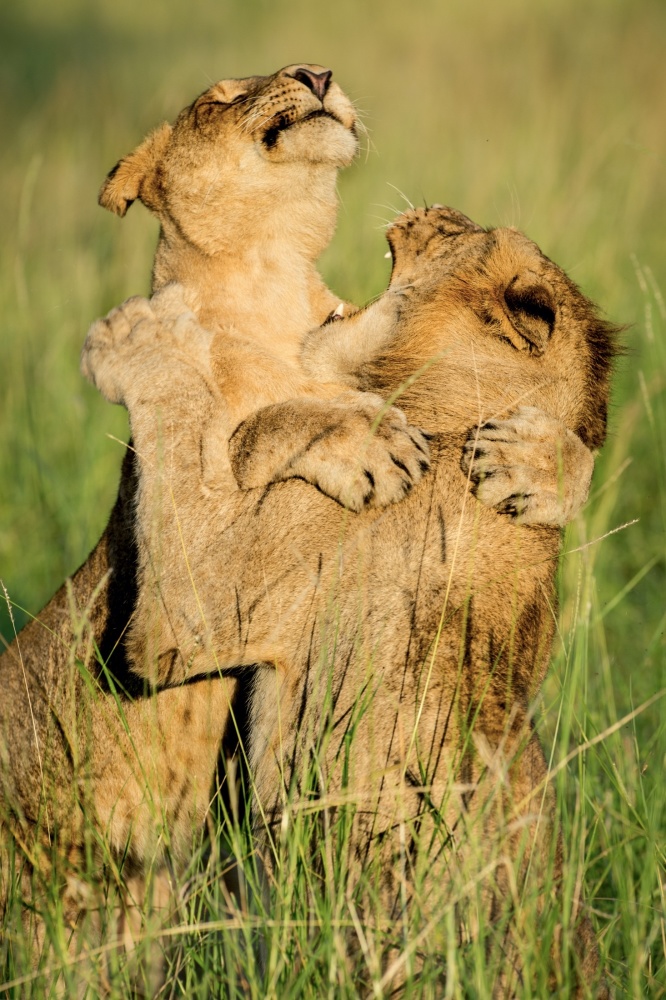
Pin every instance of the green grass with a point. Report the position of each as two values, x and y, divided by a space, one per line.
549 117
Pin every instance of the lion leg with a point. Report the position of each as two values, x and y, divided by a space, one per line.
146 908
156 367
153 358
131 927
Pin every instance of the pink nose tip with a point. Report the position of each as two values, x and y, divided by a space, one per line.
316 82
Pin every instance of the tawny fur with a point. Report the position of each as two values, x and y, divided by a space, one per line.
243 220
243 184
435 615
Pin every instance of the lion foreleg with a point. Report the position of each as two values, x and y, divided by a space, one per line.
337 350
354 448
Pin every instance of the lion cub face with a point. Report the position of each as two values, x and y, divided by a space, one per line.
241 149
510 327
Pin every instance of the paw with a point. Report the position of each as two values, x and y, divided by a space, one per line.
529 466
394 459
369 457
111 342
354 448
134 345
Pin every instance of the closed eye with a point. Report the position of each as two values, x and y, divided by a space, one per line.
210 104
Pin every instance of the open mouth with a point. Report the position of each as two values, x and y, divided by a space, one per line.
283 122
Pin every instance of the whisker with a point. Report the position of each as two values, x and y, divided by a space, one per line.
401 193
391 208
385 223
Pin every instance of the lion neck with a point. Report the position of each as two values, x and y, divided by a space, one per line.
256 273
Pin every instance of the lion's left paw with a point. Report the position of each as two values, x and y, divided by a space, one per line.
132 349
529 466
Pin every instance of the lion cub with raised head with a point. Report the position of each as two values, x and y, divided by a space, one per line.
246 269
349 444
244 186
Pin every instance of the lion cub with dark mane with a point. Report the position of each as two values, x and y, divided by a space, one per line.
424 629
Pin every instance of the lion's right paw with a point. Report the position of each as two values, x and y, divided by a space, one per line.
372 458
104 357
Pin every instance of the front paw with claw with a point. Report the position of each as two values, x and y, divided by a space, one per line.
371 458
529 466
355 449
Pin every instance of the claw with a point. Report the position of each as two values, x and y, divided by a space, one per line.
401 465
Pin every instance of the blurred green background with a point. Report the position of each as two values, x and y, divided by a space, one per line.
549 115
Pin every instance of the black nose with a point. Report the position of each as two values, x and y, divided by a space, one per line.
316 82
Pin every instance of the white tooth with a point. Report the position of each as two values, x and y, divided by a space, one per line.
339 309
387 255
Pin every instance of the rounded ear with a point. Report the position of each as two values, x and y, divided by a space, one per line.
529 307
135 175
